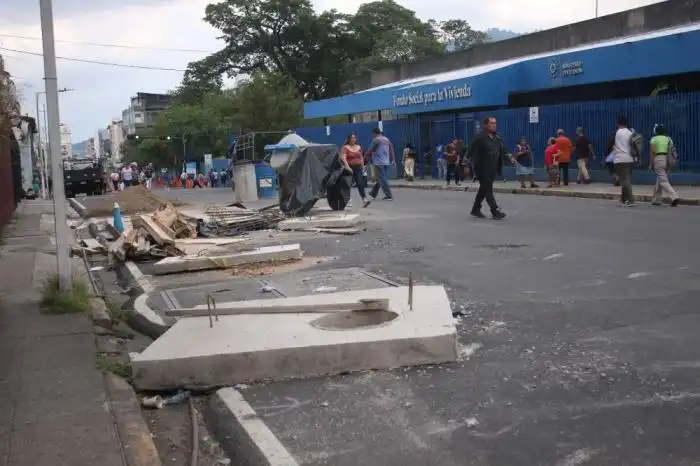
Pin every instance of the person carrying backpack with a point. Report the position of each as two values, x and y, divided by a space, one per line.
663 156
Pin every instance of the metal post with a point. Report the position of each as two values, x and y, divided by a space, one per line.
596 8
40 151
184 151
59 195
47 153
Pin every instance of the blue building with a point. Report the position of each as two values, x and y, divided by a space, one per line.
650 78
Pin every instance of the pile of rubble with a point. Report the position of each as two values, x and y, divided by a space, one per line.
153 235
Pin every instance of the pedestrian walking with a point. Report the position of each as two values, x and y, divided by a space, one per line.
487 152
383 156
352 157
452 160
610 159
624 158
663 156
565 147
583 150
524 164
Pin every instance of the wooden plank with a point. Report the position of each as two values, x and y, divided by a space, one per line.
208 241
157 232
93 244
360 305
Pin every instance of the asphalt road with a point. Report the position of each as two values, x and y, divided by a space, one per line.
579 332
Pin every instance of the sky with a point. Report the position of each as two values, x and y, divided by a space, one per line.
102 92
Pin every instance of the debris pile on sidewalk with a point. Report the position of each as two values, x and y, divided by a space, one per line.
133 200
236 219
153 235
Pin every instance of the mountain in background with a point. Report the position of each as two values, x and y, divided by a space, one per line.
501 34
79 147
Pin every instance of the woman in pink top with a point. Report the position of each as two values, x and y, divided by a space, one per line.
353 159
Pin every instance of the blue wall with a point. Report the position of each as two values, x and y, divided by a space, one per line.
680 113
491 84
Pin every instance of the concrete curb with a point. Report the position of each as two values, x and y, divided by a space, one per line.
78 207
144 319
242 434
539 192
137 444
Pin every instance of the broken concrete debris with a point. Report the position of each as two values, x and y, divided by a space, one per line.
250 347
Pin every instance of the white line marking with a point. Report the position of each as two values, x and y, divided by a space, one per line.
553 256
632 276
260 435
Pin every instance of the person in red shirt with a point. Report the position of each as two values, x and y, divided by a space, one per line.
551 163
565 147
353 160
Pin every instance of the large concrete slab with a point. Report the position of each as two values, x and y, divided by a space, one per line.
325 220
248 348
193 263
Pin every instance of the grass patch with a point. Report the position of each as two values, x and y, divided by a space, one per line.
56 302
114 366
116 313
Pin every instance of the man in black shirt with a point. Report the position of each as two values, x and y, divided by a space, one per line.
486 153
583 148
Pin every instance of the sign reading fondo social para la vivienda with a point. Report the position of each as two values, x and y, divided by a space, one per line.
422 97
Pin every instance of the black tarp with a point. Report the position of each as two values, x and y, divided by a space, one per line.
312 173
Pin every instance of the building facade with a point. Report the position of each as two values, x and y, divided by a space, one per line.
115 134
143 110
66 142
651 78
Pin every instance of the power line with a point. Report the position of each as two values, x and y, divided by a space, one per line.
96 62
116 46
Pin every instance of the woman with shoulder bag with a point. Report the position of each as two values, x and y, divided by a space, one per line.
662 157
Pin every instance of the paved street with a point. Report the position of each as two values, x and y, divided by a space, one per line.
581 317
578 336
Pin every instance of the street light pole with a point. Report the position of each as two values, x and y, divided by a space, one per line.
596 8
42 152
59 195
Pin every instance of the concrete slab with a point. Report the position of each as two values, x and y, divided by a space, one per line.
248 348
191 263
331 220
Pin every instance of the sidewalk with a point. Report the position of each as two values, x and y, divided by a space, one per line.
690 195
53 407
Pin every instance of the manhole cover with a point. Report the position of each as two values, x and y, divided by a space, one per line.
353 320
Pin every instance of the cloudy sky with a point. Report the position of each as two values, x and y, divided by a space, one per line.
144 26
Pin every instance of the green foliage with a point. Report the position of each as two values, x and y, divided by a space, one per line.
264 102
318 53
76 300
113 365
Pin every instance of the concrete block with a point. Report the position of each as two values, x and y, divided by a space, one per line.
192 263
249 348
333 220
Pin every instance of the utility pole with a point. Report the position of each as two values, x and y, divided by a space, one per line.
53 130
596 8
41 149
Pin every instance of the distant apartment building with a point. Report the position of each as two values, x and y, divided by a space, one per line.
115 135
66 142
143 111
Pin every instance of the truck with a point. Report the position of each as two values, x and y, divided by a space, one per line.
83 176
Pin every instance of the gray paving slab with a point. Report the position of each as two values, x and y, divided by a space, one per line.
53 408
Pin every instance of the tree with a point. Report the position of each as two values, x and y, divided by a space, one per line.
457 34
147 149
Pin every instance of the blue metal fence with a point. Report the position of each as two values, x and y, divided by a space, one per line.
680 113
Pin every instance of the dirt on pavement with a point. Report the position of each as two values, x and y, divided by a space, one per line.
133 200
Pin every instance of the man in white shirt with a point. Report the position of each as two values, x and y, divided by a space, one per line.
127 175
624 159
